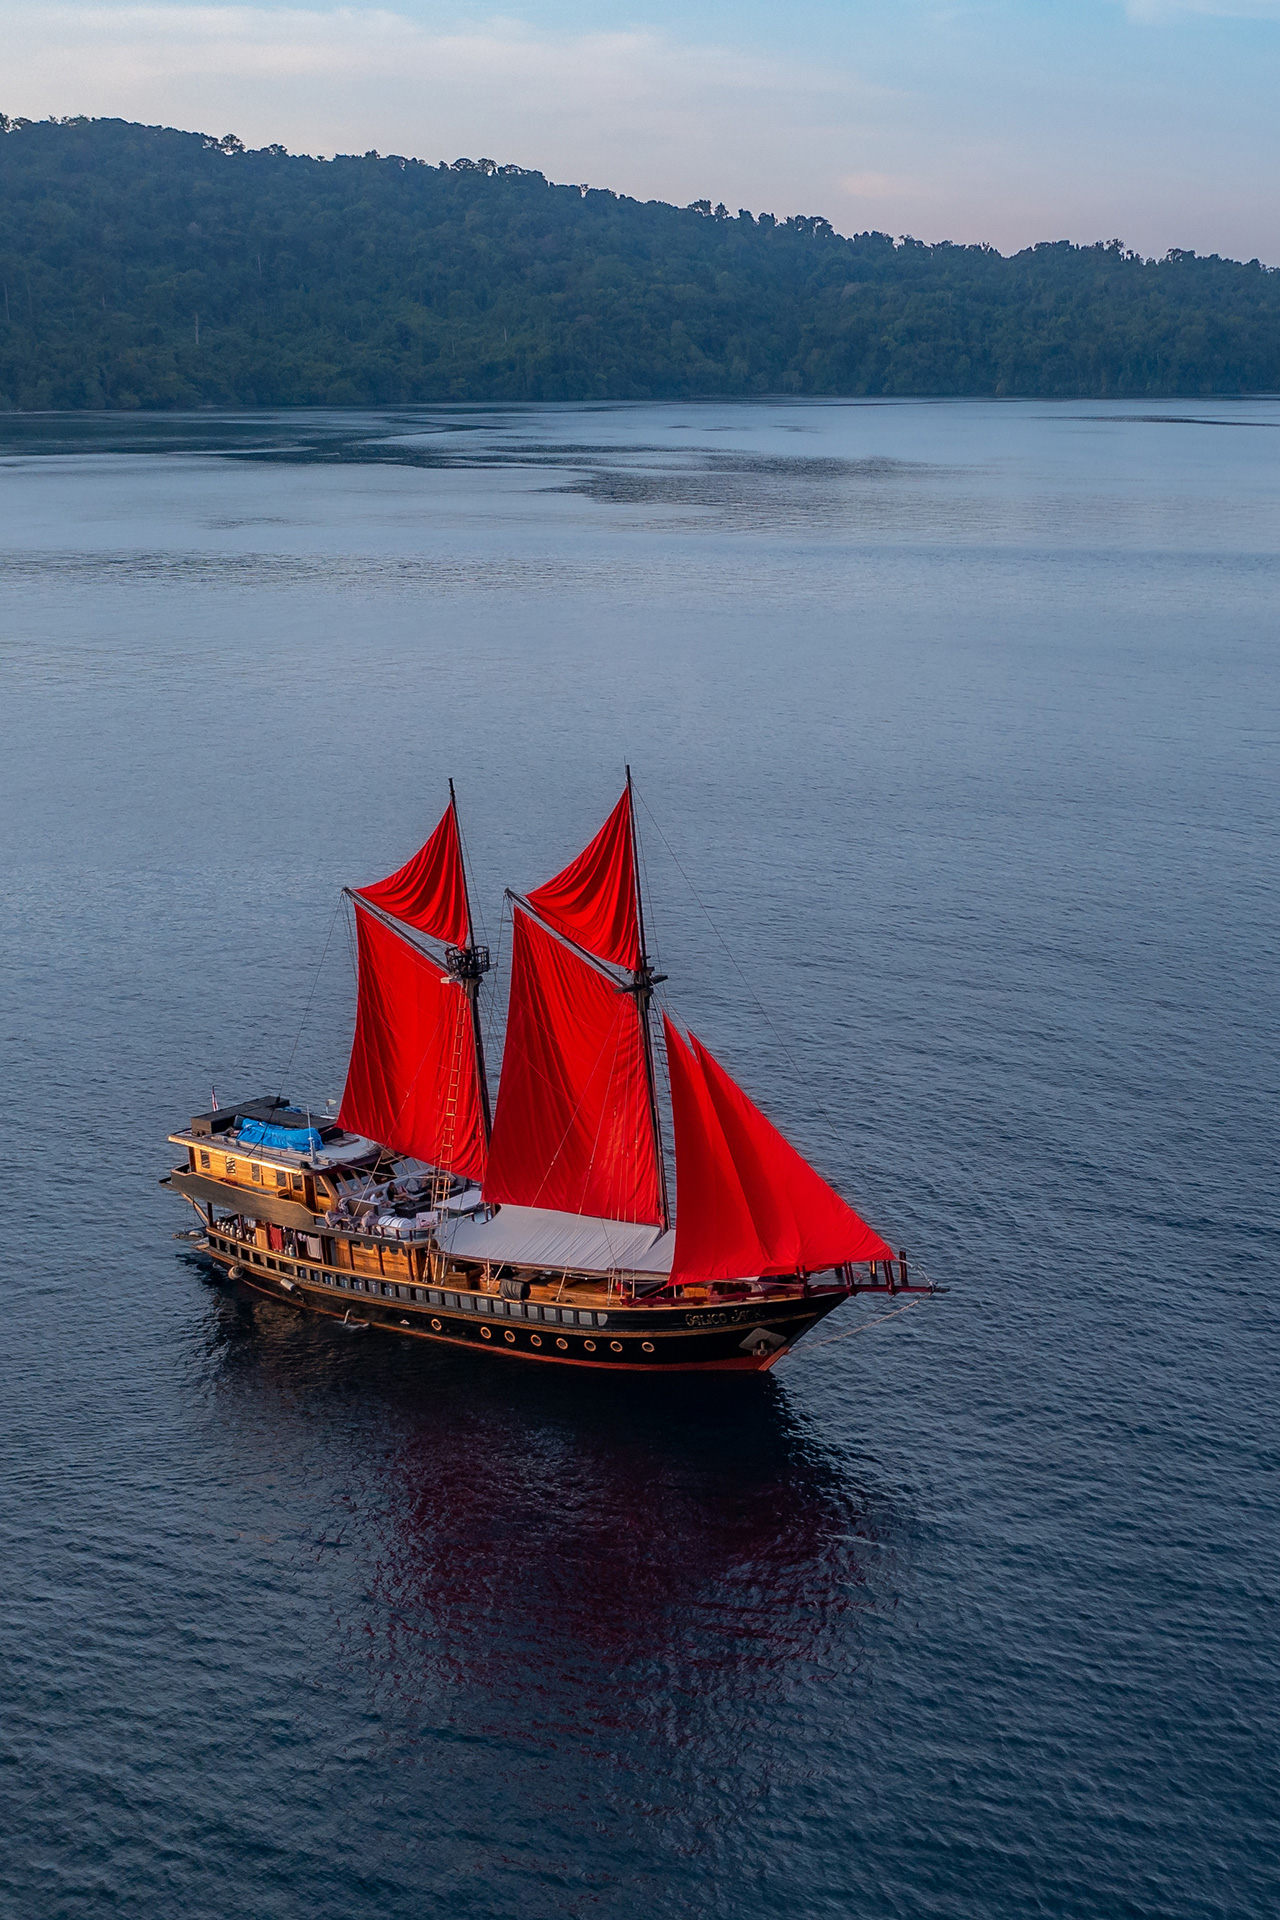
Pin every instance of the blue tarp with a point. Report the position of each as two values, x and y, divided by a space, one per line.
256 1133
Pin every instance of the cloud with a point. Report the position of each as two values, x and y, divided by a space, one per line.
877 186
692 115
913 131
140 44
1160 12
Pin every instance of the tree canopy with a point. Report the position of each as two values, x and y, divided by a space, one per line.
141 266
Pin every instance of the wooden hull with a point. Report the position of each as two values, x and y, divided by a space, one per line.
735 1337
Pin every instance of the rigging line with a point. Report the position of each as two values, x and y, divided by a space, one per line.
760 1008
491 1010
315 981
864 1328
647 890
467 861
348 927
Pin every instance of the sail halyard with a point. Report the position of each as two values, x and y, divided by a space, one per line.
469 964
643 982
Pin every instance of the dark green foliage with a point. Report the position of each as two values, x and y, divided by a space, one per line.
145 267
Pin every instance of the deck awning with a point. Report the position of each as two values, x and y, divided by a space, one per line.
539 1237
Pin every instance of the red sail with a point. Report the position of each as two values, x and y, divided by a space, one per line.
716 1234
573 1130
413 1084
748 1203
593 902
429 892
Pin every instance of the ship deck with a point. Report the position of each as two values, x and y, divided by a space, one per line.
569 1321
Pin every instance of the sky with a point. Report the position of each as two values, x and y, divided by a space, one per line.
1156 122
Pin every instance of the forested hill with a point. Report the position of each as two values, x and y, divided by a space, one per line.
145 267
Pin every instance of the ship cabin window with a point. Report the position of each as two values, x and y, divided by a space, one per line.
255 1171
204 1158
229 1164
282 1178
297 1183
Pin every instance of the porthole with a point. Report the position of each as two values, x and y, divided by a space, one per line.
646 1346
508 1335
590 1345
615 1346
486 1333
436 1325
562 1344
535 1339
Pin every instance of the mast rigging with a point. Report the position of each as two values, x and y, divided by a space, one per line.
469 964
643 982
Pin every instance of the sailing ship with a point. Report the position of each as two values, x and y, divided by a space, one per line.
541 1228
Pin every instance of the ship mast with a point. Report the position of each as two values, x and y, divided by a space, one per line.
468 965
643 982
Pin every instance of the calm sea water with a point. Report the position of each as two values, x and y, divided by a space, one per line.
955 727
